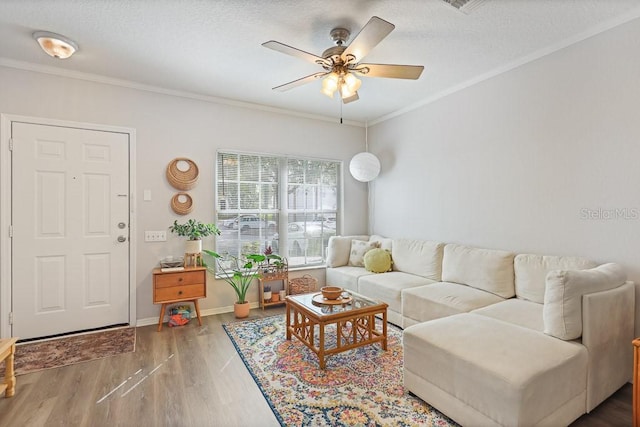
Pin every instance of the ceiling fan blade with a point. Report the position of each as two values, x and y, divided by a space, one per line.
392 71
371 34
283 48
300 82
352 98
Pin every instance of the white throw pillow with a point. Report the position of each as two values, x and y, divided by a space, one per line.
358 249
531 272
338 251
562 311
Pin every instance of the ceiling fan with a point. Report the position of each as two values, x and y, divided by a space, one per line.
342 63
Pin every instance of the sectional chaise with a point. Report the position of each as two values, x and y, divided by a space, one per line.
496 338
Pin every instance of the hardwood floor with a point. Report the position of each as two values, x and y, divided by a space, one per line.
188 376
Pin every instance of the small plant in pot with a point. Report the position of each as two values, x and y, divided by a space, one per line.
274 263
267 293
194 231
238 272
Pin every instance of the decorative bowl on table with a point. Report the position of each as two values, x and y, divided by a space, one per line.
331 292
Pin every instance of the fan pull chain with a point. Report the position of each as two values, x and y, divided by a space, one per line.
341 111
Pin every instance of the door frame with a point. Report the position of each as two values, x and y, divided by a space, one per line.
5 208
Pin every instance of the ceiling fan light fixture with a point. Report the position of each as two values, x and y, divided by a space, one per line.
346 92
352 82
55 45
330 84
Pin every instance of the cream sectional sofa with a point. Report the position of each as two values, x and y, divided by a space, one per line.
495 338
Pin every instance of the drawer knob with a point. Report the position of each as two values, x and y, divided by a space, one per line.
179 292
180 279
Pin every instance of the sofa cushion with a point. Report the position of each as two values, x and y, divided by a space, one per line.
527 314
487 269
345 277
388 287
383 242
562 311
512 375
443 299
377 260
338 249
420 257
531 272
358 249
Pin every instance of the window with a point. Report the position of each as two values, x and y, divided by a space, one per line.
289 204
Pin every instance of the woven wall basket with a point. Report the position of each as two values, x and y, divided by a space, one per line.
181 208
182 180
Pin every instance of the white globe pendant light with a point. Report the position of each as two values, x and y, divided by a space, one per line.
365 166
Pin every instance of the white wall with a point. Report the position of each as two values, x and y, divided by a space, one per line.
511 162
169 127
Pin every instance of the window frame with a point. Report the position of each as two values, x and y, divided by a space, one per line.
281 212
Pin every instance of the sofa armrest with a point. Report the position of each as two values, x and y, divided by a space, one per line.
608 328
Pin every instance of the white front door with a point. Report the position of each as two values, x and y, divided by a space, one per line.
70 218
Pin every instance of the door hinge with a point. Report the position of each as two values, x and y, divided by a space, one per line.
11 231
11 318
10 144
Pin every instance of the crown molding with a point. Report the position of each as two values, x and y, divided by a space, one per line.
598 29
96 78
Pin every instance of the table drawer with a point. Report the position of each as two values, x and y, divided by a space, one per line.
181 278
179 292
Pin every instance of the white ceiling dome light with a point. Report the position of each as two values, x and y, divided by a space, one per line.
55 45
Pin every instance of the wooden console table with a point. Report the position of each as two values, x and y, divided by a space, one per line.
170 287
7 352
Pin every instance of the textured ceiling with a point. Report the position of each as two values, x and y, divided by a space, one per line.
213 48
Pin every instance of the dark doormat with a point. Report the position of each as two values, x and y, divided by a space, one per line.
63 351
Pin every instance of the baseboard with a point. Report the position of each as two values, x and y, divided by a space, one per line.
206 312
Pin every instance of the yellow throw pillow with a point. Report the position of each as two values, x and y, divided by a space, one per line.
377 260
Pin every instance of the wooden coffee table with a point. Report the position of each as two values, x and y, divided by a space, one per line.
355 323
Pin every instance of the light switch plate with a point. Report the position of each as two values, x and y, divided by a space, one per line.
155 236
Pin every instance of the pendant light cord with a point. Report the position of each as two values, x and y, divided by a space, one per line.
366 136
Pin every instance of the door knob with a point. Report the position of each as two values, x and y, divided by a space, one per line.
122 239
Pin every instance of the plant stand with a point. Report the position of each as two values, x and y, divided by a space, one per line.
193 259
264 278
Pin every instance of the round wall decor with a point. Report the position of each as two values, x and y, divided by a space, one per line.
182 203
182 173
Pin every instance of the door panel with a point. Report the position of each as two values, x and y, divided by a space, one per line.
69 192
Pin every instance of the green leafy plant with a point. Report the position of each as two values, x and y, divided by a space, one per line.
194 230
237 272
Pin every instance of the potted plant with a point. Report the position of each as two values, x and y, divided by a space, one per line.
274 263
267 293
239 273
194 231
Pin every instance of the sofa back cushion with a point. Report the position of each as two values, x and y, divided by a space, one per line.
486 269
562 311
383 242
419 257
339 248
531 272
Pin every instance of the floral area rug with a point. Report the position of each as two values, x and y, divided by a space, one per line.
360 387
